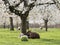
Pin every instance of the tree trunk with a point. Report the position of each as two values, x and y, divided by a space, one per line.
23 26
11 24
17 22
46 27
17 25
4 25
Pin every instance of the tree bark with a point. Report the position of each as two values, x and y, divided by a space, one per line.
27 24
11 24
23 25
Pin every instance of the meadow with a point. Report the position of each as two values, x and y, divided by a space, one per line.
51 37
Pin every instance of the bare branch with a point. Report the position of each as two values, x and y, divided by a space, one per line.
46 3
6 2
57 3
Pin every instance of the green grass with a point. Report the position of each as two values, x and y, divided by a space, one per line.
52 37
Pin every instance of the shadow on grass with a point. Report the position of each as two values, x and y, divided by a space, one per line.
53 41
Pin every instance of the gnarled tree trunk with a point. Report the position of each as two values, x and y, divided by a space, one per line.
23 25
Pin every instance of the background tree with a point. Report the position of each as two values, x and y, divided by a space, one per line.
47 16
17 22
4 22
11 24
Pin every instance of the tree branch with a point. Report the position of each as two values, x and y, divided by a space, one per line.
29 8
6 2
57 3
45 3
13 10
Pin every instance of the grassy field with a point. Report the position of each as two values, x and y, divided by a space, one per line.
52 37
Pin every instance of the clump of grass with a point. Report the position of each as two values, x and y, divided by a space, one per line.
24 38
